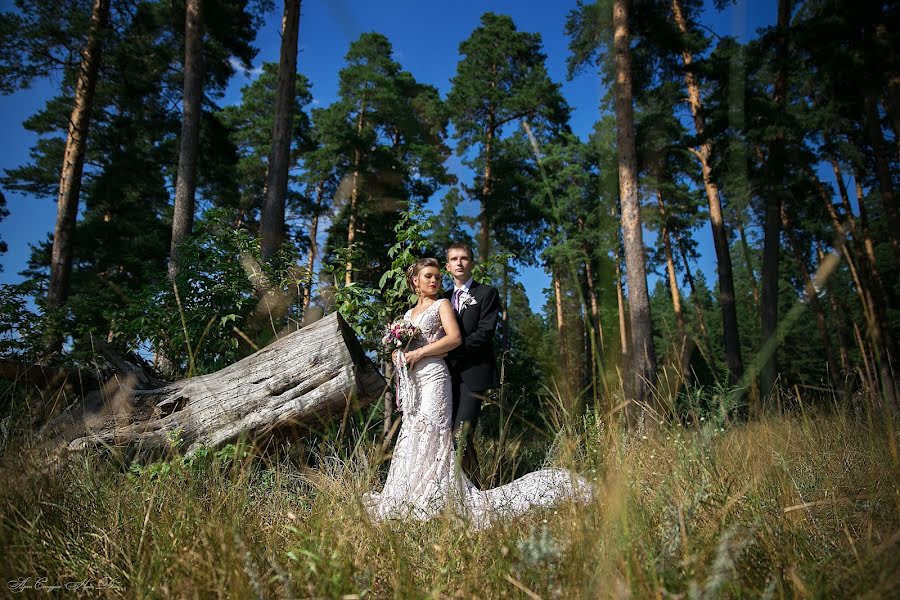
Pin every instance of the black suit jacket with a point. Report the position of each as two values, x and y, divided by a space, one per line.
473 361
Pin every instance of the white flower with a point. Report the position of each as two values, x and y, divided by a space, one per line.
466 299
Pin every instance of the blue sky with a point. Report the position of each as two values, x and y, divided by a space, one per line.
425 37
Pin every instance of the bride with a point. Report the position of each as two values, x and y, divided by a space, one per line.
424 478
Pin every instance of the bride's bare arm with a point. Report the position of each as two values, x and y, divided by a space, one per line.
452 337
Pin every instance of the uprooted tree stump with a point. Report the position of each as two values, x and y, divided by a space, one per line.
304 378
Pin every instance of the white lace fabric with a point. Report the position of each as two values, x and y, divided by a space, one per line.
424 480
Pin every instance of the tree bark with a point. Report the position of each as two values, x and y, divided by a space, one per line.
643 357
720 236
484 218
561 332
73 166
773 212
192 107
303 378
313 249
354 193
272 217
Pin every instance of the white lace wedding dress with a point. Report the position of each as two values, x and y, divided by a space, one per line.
424 478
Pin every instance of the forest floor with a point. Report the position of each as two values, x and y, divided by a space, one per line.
804 505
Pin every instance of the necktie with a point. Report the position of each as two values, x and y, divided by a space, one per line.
456 294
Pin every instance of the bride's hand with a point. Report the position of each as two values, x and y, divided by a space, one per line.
412 357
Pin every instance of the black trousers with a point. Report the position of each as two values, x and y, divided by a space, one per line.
466 411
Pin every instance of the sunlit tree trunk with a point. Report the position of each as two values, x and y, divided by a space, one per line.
561 333
272 215
313 249
354 193
484 218
643 357
186 180
720 237
72 168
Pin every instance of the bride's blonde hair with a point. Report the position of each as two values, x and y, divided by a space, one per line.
413 271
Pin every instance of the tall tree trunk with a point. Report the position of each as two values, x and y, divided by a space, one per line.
313 249
643 357
73 166
354 193
720 236
186 179
484 217
272 217
812 295
681 343
773 206
561 334
883 174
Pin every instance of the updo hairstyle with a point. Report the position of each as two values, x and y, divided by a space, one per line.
413 271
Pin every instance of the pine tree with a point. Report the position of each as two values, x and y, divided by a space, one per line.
501 80
581 26
385 135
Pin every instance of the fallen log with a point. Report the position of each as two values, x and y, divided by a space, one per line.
303 378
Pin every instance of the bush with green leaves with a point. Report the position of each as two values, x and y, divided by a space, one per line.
20 325
369 309
218 308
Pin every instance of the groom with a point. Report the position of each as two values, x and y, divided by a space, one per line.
472 364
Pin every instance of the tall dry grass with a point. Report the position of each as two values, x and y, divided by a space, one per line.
804 505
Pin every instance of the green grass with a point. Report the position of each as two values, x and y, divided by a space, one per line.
785 506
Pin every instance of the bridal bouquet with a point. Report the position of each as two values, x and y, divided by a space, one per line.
397 336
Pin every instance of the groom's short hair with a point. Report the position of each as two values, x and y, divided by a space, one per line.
460 246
